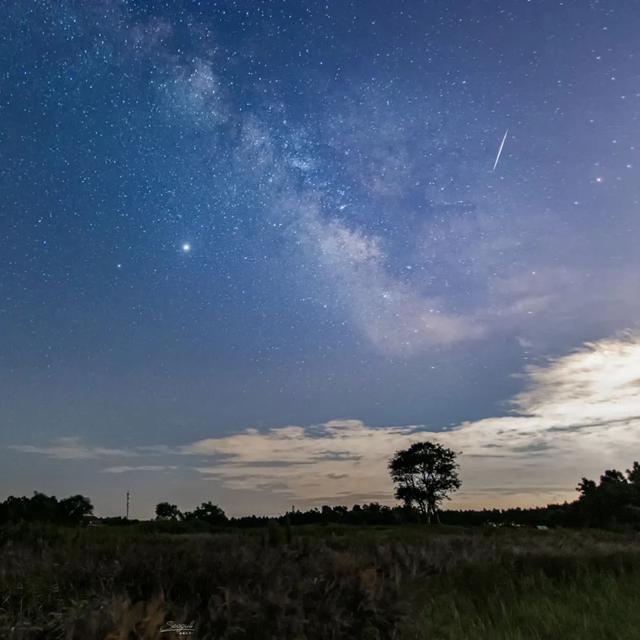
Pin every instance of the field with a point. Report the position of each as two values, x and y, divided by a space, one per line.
409 582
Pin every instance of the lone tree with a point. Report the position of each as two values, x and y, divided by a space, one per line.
425 474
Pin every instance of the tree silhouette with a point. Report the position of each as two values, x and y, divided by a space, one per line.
167 511
633 474
424 475
615 499
74 509
207 512
43 508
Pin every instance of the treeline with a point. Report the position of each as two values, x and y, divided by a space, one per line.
39 507
372 513
612 501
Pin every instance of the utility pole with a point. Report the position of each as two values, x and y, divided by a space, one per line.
127 505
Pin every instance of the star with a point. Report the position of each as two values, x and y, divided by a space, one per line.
186 247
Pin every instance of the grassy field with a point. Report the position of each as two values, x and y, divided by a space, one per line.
318 582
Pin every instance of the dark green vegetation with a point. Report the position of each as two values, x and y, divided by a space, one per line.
318 582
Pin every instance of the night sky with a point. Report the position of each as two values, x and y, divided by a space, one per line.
249 249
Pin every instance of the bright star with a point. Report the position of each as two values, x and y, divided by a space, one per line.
186 247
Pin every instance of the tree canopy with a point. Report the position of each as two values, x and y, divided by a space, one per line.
207 512
615 499
167 511
42 508
424 474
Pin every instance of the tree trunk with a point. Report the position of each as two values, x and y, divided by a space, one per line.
424 511
433 516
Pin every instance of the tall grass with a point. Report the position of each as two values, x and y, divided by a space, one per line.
598 604
551 585
315 583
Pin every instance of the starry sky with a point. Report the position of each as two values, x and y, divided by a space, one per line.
249 249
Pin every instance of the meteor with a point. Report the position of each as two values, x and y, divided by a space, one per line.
495 164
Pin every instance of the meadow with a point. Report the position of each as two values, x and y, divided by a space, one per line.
318 582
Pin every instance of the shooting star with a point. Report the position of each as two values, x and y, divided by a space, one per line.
504 138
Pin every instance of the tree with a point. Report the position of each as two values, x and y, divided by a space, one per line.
587 487
615 499
75 509
207 512
633 474
43 508
167 511
425 474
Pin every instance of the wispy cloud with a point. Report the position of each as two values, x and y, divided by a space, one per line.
302 460
146 467
72 448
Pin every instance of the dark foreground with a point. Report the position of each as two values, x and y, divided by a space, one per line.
319 583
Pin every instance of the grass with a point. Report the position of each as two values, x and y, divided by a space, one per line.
318 582
565 585
600 604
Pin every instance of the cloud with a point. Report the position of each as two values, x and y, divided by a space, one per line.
72 448
598 384
547 290
303 460
146 467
